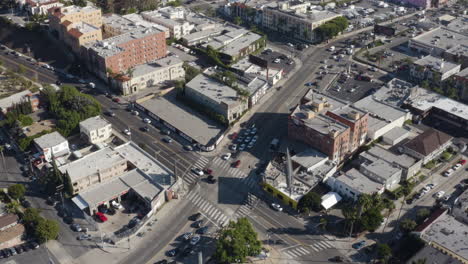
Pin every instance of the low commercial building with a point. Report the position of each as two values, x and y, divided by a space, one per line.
352 184
428 145
461 82
52 145
116 56
217 96
96 129
433 69
197 129
428 104
114 25
26 96
11 231
138 20
255 86
314 163
382 172
425 3
296 19
434 255
245 67
458 55
150 74
460 208
409 165
395 135
436 42
127 170
447 235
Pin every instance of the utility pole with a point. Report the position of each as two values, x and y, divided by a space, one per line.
200 257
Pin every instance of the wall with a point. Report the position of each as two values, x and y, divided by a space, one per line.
114 170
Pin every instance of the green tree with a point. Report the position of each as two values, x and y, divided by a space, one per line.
31 217
25 120
21 69
237 242
384 252
16 191
237 20
68 184
310 201
190 72
323 223
371 219
408 225
13 207
47 229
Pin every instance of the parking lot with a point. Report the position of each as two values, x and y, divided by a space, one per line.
278 60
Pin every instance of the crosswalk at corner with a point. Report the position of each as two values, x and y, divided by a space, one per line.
191 177
299 251
213 213
226 166
249 203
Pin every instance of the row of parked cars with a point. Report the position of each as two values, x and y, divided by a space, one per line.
8 252
454 168
244 139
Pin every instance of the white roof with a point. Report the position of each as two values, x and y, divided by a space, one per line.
330 199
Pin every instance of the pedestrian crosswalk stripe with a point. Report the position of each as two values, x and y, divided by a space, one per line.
223 219
328 244
210 209
297 252
205 205
303 250
216 215
292 253
320 246
196 200
316 250
287 255
190 196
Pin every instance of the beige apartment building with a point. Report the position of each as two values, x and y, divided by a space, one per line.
76 26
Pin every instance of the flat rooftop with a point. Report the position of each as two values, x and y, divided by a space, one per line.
252 83
381 153
463 73
311 16
381 168
213 89
380 110
309 158
50 140
442 38
154 169
140 21
319 122
424 100
234 47
358 181
91 164
156 65
459 24
459 50
437 64
449 233
394 93
183 118
134 179
109 47
66 10
84 27
396 133
94 123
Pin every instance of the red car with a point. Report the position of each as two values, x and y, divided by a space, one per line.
236 164
462 162
101 217
208 171
234 135
115 99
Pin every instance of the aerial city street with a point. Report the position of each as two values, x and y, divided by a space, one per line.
211 131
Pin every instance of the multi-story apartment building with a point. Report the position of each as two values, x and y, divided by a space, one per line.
52 146
76 26
172 18
461 83
296 19
39 7
217 96
96 129
119 54
433 69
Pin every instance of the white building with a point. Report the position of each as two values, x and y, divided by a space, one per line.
428 67
150 74
171 18
352 184
52 144
39 7
96 129
245 67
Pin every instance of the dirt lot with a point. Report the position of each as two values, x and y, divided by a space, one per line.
40 46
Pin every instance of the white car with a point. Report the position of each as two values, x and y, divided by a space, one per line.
457 166
226 156
198 171
135 113
448 172
147 120
194 240
116 205
233 147
277 61
127 132
439 194
290 45
277 207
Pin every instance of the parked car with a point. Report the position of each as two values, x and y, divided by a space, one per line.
147 120
173 252
101 217
194 240
13 251
211 179
166 132
198 224
226 156
336 259
167 139
145 129
76 227
195 217
187 236
135 220
188 148
84 237
277 207
116 205
439 194
127 132
116 99
236 164
457 166
33 245
359 244
203 230
19 249
448 172
198 171
462 162
233 147
110 113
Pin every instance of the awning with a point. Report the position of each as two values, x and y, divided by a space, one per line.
330 199
80 202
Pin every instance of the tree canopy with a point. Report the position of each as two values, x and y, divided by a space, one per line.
384 251
332 28
408 225
16 191
70 107
47 229
237 242
310 201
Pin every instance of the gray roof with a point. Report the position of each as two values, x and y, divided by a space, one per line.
441 38
396 133
7 102
156 65
49 140
358 181
460 24
180 116
463 73
433 255
213 89
309 158
234 47
449 233
91 163
94 123
380 168
320 123
381 153
134 179
380 110
437 64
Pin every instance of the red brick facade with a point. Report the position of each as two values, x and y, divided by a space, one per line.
358 129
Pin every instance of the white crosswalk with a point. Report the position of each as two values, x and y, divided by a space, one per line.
226 165
208 209
191 177
300 251
249 203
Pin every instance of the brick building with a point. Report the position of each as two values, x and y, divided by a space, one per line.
119 54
